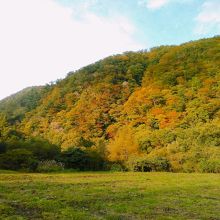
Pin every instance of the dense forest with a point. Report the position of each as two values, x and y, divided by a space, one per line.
153 110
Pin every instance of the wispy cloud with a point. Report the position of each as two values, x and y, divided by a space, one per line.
153 4
42 40
209 17
157 4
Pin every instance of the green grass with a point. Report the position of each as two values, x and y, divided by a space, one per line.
102 195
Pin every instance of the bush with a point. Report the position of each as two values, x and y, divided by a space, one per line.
143 164
210 166
50 166
116 167
3 147
77 158
42 149
18 159
74 158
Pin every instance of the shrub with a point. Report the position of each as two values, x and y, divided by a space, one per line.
18 159
82 159
116 167
210 166
42 149
74 158
50 166
143 164
3 147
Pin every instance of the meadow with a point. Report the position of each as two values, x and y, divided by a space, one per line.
106 195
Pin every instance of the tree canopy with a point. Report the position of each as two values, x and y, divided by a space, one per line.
160 106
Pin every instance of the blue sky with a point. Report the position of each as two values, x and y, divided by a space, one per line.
42 40
160 21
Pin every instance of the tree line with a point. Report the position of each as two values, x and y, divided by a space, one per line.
143 111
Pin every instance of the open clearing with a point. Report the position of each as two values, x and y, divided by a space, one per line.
103 195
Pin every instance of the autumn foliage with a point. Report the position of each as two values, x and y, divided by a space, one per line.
151 107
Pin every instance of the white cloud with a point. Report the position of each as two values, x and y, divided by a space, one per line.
208 19
42 40
154 4
157 4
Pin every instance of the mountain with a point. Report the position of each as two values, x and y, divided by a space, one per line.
156 105
16 105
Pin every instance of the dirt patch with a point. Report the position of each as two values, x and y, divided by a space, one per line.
25 211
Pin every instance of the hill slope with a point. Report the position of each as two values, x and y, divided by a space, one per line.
15 106
139 107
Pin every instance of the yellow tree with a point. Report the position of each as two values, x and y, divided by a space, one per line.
123 145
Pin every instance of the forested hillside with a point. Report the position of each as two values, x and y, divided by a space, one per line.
15 106
143 111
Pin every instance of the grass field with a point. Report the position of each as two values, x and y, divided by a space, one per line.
102 195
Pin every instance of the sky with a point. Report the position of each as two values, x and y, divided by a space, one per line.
42 40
